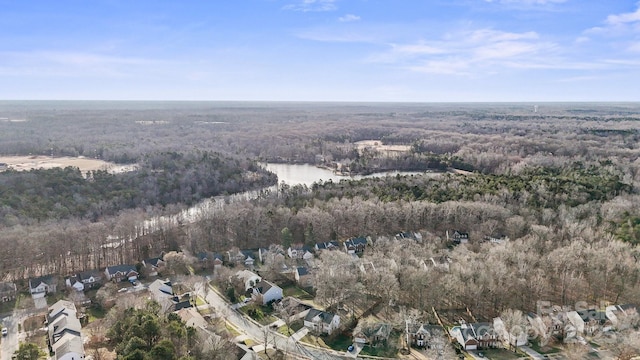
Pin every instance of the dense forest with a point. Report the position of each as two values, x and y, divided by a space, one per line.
159 180
561 183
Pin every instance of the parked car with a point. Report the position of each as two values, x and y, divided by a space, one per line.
5 331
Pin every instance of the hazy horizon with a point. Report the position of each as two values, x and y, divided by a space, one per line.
322 51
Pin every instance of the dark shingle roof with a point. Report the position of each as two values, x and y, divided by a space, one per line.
34 282
302 271
120 268
324 316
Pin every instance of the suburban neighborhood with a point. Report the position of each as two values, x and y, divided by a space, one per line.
266 301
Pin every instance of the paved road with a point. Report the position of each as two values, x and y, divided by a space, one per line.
260 333
10 342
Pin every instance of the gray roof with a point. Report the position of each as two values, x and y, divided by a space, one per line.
324 316
264 286
152 261
34 282
88 274
112 270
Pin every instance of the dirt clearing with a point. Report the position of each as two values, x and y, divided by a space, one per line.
25 163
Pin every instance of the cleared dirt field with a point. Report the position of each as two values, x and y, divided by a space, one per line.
22 163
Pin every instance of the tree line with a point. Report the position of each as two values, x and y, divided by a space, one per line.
161 179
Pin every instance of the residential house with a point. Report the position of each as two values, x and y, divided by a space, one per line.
84 280
293 308
74 282
192 318
303 277
331 245
321 322
371 333
167 295
547 325
218 260
267 292
588 322
415 236
457 236
513 337
496 238
249 279
241 257
41 286
423 335
476 336
8 291
153 265
300 251
622 317
355 245
64 332
162 292
208 260
121 273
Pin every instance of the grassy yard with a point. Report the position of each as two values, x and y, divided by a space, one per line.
261 314
96 312
314 340
535 345
338 342
296 292
291 329
200 301
8 306
500 354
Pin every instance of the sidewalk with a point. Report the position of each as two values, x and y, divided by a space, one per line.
299 334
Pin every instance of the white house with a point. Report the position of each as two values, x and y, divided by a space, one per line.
84 280
300 251
513 337
64 332
41 286
321 322
267 291
152 265
475 336
249 278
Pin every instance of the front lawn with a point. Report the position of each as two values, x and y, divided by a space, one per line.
500 354
314 340
261 314
339 342
535 345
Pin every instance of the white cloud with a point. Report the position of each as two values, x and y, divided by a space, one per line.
624 18
624 27
349 18
312 5
473 52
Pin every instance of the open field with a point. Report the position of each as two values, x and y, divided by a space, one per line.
25 163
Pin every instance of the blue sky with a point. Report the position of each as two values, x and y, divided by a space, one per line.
321 50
